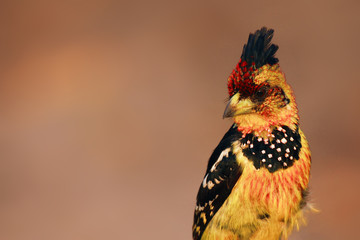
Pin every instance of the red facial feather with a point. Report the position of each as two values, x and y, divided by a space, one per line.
242 79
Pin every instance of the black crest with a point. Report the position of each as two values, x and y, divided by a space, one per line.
259 49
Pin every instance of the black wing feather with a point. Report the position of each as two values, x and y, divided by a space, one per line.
218 182
230 136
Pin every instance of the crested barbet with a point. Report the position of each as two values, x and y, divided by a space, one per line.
256 181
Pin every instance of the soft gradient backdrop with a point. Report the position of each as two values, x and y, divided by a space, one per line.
109 111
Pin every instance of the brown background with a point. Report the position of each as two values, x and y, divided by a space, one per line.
109 111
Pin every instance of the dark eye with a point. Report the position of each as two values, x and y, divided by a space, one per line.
261 93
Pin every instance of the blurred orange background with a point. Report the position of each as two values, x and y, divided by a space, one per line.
109 111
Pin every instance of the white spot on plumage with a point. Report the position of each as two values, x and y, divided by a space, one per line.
278 149
263 160
291 139
222 154
205 181
251 145
285 164
294 148
210 185
259 139
263 151
286 155
272 146
287 150
278 140
283 140
200 208
269 166
270 155
279 158
291 157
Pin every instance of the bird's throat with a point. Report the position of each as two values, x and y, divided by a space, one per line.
263 126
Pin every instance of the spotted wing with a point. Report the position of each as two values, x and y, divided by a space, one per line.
221 175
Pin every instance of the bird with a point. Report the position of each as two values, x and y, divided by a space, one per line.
256 182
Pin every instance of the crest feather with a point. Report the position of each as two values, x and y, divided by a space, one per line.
258 52
259 49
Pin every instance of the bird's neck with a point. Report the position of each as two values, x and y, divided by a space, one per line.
262 127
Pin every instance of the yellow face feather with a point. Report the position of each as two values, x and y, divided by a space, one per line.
259 117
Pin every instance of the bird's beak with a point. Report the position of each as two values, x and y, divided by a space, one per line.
237 107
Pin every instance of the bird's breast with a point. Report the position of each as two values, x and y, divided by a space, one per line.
263 199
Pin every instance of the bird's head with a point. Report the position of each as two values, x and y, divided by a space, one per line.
260 98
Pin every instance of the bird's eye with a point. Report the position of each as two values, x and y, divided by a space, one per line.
260 93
